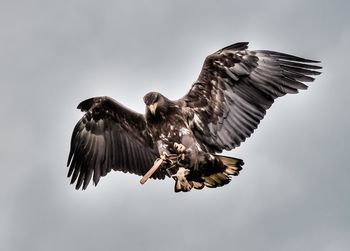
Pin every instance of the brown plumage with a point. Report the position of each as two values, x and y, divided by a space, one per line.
223 107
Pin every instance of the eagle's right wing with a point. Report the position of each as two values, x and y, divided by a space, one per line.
109 136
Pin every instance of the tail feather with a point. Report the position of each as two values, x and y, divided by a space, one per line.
226 167
232 168
233 165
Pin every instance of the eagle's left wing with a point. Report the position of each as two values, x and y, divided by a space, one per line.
236 87
109 136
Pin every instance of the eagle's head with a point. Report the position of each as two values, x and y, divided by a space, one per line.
153 100
157 105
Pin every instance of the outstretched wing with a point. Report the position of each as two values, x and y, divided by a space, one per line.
109 136
236 87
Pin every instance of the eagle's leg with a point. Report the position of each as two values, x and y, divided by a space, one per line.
169 159
181 149
163 156
169 163
181 183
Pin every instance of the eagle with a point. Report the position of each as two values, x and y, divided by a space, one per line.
182 139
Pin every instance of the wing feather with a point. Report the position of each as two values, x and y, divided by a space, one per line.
236 87
109 136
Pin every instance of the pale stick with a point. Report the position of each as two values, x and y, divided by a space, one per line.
151 171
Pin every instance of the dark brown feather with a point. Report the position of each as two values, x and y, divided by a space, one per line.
109 136
236 87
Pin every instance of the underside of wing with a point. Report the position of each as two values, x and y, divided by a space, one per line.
109 136
236 87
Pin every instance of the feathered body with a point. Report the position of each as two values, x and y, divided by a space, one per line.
170 125
223 107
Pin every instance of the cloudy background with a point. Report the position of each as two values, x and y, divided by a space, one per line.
293 193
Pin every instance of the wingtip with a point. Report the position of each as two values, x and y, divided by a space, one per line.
85 105
317 67
69 158
237 46
313 61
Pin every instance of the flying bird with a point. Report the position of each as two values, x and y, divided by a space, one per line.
183 138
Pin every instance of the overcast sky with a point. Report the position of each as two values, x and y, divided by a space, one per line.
293 193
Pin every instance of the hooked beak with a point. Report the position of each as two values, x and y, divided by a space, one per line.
153 108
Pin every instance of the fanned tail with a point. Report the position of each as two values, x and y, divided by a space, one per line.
225 167
232 167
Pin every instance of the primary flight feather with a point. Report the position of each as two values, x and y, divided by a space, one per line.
223 107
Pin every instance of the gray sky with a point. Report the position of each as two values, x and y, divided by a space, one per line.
293 193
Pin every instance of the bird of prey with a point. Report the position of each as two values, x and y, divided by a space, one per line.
184 137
